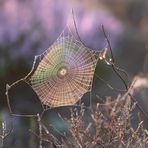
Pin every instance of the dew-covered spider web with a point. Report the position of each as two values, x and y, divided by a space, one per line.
63 73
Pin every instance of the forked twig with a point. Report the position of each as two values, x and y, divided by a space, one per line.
112 64
112 61
8 87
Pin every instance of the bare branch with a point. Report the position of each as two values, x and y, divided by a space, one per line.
118 74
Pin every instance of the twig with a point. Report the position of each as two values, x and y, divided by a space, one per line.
8 87
118 74
110 48
40 129
77 29
20 115
4 133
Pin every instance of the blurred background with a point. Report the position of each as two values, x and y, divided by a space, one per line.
28 28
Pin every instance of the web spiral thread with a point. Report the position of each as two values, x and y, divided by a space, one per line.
64 72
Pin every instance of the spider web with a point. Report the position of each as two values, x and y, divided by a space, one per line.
63 73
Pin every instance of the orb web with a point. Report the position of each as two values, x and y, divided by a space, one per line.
64 72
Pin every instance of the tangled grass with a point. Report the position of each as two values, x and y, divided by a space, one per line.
104 125
107 125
